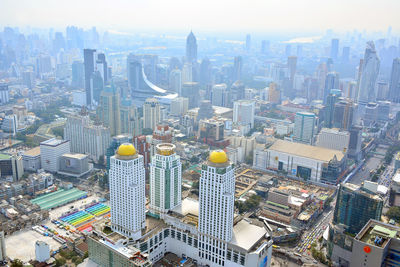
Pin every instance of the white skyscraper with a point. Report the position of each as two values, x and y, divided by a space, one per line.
219 95
50 152
127 192
179 106
369 73
304 124
216 200
151 113
243 112
175 81
165 179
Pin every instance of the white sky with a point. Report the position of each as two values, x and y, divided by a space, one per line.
207 15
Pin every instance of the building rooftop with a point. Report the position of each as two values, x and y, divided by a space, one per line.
188 206
4 156
376 233
307 151
75 155
33 152
53 142
246 235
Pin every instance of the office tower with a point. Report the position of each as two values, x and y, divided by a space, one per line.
179 106
175 81
321 73
370 115
355 206
248 43
237 68
343 114
205 72
274 94
50 152
394 89
331 100
355 142
304 124
187 73
87 137
190 90
291 64
243 112
346 54
191 48
165 179
101 67
43 65
288 50
151 113
78 74
206 110
130 122
127 192
334 48
383 90
369 73
219 95
89 62
97 86
29 78
331 82
109 109
333 139
216 201
4 93
58 42
237 91
265 47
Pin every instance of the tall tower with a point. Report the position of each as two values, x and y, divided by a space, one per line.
151 113
217 196
191 48
304 124
394 89
89 61
334 48
165 178
109 109
369 74
127 192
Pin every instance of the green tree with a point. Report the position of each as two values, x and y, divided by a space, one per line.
394 213
60 261
17 263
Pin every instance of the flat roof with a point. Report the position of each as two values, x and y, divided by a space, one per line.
58 198
4 156
188 206
53 142
33 152
246 235
75 155
306 151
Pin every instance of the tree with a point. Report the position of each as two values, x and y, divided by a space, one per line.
394 213
58 132
60 261
17 263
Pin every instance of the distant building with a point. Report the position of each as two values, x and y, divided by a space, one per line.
175 81
50 153
42 251
206 110
130 122
31 159
334 48
151 113
89 64
10 124
394 87
219 95
179 106
304 127
274 94
191 48
109 109
369 73
243 112
190 90
78 75
11 166
4 94
333 139
212 132
355 142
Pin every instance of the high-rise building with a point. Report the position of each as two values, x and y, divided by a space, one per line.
292 65
29 78
101 67
206 110
190 90
304 127
78 74
237 68
87 137
191 48
109 109
175 81
274 94
205 71
343 114
130 122
346 54
4 93
394 89
216 198
151 113
248 43
331 100
369 74
179 106
334 48
355 206
243 112
333 139
165 179
50 152
42 251
89 62
116 141
127 192
219 95
331 82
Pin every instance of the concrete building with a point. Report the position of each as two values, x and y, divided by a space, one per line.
355 142
10 124
109 109
244 145
31 159
86 137
151 113
11 167
127 192
304 127
130 122
219 95
333 139
308 162
165 179
50 153
175 81
42 251
179 106
4 94
73 164
243 112
190 90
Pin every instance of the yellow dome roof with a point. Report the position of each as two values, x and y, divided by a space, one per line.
218 156
126 150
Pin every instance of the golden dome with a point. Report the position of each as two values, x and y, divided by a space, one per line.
126 149
218 156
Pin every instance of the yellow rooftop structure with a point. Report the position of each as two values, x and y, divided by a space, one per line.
307 151
218 156
126 149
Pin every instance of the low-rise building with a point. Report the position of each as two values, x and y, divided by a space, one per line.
31 159
74 164
11 167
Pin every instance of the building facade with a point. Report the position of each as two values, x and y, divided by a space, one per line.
50 153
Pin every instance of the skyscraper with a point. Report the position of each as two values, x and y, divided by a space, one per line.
248 43
334 48
292 64
127 192
355 206
304 124
394 89
109 109
89 61
130 123
243 112
78 74
346 54
237 68
216 199
151 113
165 178
369 73
219 95
175 81
191 48
331 82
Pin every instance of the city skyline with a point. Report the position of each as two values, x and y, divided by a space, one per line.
254 15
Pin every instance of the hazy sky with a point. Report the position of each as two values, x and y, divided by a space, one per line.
207 15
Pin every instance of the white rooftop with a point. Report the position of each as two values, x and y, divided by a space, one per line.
188 205
246 235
